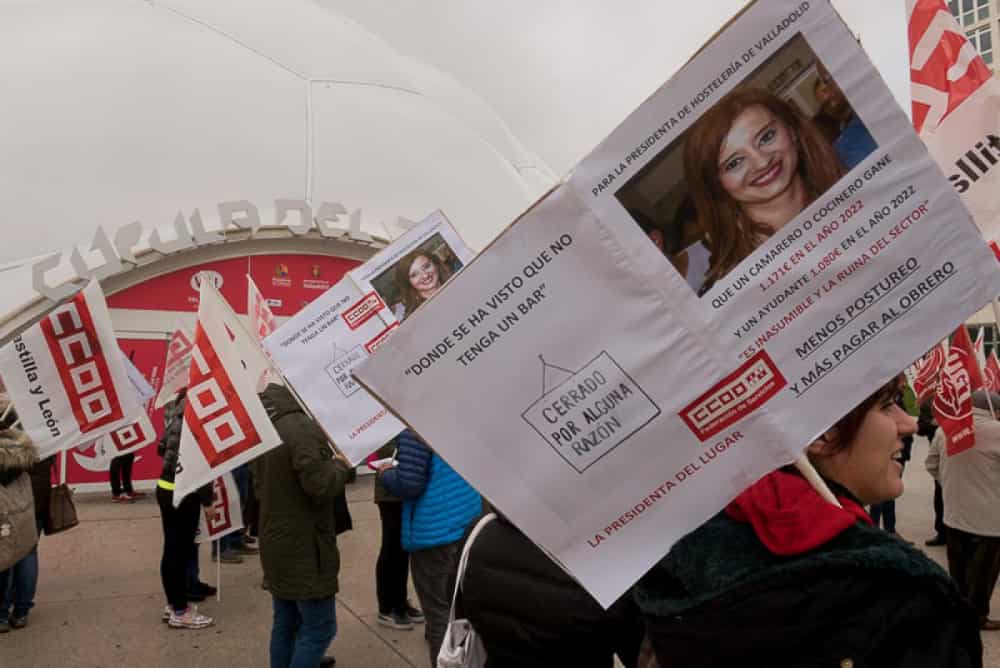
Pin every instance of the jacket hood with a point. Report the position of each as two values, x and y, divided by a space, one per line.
789 517
17 451
279 402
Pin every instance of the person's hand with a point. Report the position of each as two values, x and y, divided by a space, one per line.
343 459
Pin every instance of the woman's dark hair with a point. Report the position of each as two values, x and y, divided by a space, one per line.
847 427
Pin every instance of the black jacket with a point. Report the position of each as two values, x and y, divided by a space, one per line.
530 613
720 598
170 443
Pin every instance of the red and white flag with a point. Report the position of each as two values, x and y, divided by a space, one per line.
952 404
262 323
928 371
992 373
225 424
956 109
66 375
961 338
224 516
175 368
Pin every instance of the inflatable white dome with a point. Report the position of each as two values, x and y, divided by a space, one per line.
118 110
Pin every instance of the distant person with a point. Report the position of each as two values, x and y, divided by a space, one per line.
850 137
751 164
120 474
927 426
296 485
419 275
438 506
392 567
691 257
180 525
971 484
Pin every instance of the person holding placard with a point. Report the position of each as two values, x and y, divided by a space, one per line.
752 163
418 276
782 577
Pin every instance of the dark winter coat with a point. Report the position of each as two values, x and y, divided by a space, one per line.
529 613
170 444
41 485
438 504
296 484
722 597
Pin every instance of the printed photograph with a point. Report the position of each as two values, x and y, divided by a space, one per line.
747 166
412 280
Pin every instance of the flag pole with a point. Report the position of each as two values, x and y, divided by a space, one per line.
218 570
809 472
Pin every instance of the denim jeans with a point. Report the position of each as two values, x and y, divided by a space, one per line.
302 631
19 582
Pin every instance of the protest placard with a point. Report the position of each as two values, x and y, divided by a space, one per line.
67 377
224 516
342 327
316 350
609 394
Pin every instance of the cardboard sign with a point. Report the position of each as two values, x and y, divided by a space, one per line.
66 375
317 349
652 337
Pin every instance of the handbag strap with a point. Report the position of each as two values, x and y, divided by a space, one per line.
464 560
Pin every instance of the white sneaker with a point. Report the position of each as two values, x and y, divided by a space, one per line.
191 619
167 611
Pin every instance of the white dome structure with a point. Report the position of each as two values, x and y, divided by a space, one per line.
122 110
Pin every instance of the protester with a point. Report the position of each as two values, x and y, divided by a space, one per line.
438 506
751 164
392 568
120 474
180 525
529 613
850 137
782 577
18 457
296 485
418 276
970 481
926 427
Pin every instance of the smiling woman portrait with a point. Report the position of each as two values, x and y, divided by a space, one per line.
752 162
418 276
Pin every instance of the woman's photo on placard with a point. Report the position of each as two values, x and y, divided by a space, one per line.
747 166
419 274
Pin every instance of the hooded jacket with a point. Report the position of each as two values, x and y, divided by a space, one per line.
782 578
296 484
17 451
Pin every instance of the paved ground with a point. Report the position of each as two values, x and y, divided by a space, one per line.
99 596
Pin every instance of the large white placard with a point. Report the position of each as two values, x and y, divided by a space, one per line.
609 394
316 350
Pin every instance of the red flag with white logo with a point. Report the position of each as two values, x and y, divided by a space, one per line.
952 404
175 368
225 424
992 373
956 108
925 383
66 375
961 338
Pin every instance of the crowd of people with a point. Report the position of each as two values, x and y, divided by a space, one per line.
779 577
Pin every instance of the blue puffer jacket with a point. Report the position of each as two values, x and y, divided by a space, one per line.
438 504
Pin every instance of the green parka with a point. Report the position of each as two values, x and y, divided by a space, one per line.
296 484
